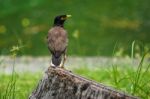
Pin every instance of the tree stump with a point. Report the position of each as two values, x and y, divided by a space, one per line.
58 83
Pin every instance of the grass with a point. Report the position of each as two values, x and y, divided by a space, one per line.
23 85
93 30
125 78
128 79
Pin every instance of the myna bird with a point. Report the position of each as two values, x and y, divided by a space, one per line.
57 41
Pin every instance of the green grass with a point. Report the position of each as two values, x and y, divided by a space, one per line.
120 78
124 79
93 30
23 85
129 79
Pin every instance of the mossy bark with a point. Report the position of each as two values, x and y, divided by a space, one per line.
58 83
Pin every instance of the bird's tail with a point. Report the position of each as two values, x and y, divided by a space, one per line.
56 60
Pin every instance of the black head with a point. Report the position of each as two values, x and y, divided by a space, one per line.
59 20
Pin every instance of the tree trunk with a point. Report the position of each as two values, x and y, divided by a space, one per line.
58 83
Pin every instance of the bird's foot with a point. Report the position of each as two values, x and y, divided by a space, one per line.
52 66
61 66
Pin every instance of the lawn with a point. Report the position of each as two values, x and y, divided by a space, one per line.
130 80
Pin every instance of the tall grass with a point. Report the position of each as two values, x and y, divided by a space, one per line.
11 86
139 84
132 50
131 80
10 92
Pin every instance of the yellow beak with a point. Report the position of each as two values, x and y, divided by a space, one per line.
68 16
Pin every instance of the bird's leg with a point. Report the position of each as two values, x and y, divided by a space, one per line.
63 62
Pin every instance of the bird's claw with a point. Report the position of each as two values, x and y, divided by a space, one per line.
62 66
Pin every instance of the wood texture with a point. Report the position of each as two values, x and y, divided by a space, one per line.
58 83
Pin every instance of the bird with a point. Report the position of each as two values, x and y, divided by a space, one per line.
57 41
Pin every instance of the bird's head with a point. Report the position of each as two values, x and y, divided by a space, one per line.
59 20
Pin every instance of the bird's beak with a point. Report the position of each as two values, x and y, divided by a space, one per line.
64 18
68 16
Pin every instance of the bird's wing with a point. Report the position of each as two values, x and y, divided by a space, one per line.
57 39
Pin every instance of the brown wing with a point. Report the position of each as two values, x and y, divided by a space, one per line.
57 39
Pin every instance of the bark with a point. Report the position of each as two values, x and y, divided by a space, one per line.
58 83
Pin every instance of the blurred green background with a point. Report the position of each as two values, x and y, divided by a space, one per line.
95 28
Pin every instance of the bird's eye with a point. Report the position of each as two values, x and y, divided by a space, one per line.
63 18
